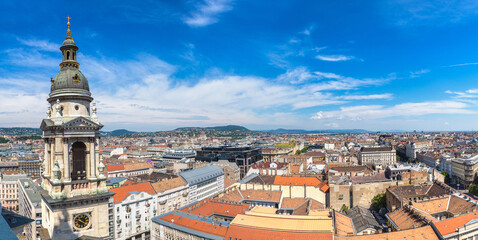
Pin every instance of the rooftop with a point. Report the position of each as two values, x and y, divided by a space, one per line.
123 192
201 174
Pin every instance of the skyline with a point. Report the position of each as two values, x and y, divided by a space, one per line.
296 65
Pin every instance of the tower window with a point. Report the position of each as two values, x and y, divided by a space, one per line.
73 54
79 161
68 55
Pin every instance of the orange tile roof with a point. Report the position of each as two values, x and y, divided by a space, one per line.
209 207
117 167
261 195
432 206
405 219
232 195
136 166
165 185
297 180
425 233
124 191
343 225
292 202
227 182
450 225
196 225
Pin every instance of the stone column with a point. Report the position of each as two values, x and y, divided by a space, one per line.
93 159
66 156
52 156
88 158
46 160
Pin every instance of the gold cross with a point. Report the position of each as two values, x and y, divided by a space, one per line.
68 18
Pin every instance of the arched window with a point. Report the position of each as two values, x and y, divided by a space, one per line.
73 56
68 55
79 161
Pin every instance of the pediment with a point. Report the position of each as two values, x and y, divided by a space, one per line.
81 122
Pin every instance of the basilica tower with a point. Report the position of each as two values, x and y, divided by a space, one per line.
76 201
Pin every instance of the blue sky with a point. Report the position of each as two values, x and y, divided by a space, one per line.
158 65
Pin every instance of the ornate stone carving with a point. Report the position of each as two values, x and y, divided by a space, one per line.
59 114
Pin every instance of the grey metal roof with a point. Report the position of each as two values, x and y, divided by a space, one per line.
198 175
32 190
362 218
70 77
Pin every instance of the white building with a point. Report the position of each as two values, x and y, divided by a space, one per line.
29 205
445 164
134 206
204 182
117 151
385 156
9 190
171 194
412 148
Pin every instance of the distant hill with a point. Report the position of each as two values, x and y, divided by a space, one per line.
231 128
302 131
119 132
20 131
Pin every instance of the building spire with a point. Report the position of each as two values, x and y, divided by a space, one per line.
68 32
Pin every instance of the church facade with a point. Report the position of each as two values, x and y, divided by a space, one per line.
76 202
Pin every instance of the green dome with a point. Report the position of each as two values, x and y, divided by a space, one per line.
70 78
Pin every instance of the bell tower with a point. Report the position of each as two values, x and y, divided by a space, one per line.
76 201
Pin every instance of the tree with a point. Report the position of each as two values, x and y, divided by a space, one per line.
447 177
474 189
379 201
344 208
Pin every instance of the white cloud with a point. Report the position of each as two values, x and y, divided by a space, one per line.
470 93
207 12
334 58
463 64
399 110
368 97
418 73
43 45
296 75
428 12
333 125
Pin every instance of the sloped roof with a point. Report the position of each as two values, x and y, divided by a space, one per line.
116 167
362 219
297 180
209 207
136 166
168 184
198 175
123 192
403 219
424 233
198 226
450 225
343 225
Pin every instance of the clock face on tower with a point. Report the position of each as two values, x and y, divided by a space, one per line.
82 220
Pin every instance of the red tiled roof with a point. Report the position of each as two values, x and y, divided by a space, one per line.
124 191
208 208
196 225
450 225
116 167
296 180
